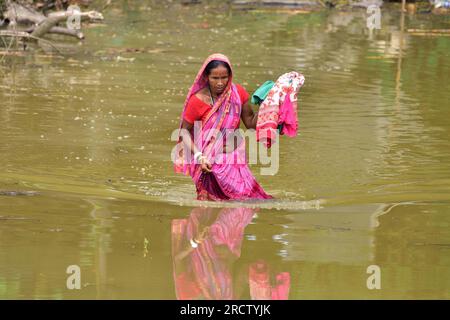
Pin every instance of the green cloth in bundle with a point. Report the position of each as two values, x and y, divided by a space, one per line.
261 93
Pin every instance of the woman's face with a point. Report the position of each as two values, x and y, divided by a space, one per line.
218 79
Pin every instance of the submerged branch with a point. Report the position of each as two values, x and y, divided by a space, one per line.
26 35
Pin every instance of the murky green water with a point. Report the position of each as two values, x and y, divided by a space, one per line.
90 130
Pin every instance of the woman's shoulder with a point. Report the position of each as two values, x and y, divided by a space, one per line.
195 102
239 87
242 93
195 108
198 98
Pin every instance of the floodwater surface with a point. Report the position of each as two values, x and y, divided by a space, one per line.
365 183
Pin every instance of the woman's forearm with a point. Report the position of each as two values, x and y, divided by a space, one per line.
249 117
185 134
187 140
251 120
254 120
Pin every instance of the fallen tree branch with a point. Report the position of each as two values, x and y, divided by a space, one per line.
8 47
42 24
45 26
23 34
68 32
61 30
17 13
87 15
55 17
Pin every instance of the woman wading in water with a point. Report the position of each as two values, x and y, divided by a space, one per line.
207 148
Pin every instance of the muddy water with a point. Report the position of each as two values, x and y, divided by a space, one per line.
366 182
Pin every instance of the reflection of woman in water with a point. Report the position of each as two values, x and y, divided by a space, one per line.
204 248
214 160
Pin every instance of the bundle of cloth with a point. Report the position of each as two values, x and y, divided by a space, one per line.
278 107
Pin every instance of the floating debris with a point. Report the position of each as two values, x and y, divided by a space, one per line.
146 242
18 193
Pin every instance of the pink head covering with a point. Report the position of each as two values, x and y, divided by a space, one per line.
201 81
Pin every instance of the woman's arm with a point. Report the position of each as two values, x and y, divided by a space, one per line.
196 240
187 140
186 136
248 116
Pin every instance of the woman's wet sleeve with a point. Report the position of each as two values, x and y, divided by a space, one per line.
191 114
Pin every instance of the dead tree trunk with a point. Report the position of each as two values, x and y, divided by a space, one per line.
39 24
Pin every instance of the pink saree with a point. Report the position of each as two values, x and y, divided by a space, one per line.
206 271
215 137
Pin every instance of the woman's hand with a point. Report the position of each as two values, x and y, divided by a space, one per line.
249 117
205 165
202 236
